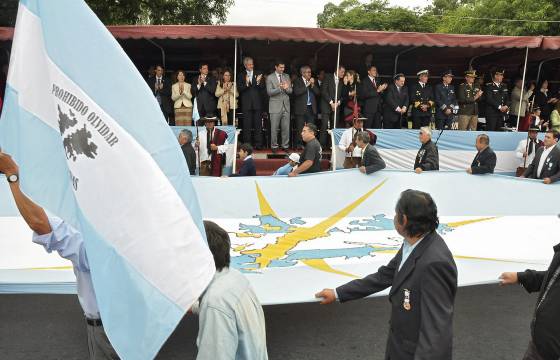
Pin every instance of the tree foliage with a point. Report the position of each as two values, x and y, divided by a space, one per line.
447 16
147 12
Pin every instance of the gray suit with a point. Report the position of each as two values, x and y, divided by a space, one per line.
424 329
279 109
371 160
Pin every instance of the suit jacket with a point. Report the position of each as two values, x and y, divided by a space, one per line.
190 157
247 168
495 96
425 331
428 157
369 96
278 98
164 93
545 330
421 96
206 101
394 99
372 160
328 94
181 99
465 97
300 96
484 162
445 99
250 95
551 167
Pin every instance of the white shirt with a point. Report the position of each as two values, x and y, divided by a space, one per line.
407 250
346 139
543 159
521 149
202 150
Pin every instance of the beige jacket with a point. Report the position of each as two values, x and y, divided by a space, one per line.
181 99
223 96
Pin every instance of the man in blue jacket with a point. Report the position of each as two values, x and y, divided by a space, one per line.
248 167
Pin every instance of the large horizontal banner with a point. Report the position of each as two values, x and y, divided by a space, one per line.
456 148
294 236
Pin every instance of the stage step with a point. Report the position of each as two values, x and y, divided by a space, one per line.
267 167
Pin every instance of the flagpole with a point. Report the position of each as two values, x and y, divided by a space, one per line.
522 88
336 86
234 83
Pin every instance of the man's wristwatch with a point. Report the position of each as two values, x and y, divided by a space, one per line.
13 178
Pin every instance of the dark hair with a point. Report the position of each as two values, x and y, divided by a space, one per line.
371 66
555 134
484 139
279 62
398 76
202 64
311 127
219 244
420 211
247 148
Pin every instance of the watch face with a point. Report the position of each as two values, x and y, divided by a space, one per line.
13 178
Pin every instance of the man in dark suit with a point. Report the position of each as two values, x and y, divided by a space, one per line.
185 140
305 91
546 164
446 101
422 100
427 158
485 160
545 327
161 88
331 94
370 94
423 281
203 88
395 105
371 161
248 164
250 84
496 96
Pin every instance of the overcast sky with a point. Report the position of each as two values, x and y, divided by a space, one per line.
288 12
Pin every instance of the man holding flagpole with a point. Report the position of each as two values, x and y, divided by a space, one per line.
56 235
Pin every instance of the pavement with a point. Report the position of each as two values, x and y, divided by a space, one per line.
490 323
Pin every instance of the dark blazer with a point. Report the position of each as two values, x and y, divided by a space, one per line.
425 331
394 99
206 101
164 93
484 162
465 96
427 157
369 96
300 96
372 160
328 94
545 330
495 96
419 96
190 157
251 96
445 99
551 167
247 168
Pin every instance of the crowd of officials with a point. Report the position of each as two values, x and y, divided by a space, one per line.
280 104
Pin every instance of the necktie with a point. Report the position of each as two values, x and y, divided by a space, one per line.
279 79
531 147
398 89
374 85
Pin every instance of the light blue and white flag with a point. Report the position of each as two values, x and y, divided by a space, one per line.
94 149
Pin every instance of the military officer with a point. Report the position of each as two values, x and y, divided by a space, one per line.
422 100
446 101
497 102
468 95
